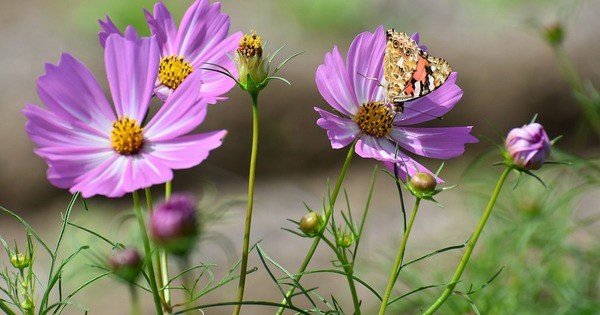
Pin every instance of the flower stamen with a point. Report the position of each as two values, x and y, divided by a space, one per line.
375 119
172 70
126 136
250 45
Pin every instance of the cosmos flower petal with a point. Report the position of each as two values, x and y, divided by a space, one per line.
214 83
46 129
380 149
433 105
364 62
163 27
65 166
439 143
182 112
411 166
203 26
131 68
122 174
187 151
108 28
71 91
334 84
341 131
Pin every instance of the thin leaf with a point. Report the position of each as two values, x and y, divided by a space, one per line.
29 229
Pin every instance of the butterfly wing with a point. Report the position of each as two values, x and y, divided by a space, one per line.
410 72
400 63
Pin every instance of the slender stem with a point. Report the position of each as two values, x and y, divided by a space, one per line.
135 301
251 177
147 252
187 281
168 189
348 271
399 259
470 246
315 244
162 277
6 309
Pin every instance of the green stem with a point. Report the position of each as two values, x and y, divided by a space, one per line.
147 252
315 244
162 277
251 177
470 246
135 301
168 189
399 259
348 271
6 309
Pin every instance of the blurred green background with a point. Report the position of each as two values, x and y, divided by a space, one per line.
506 69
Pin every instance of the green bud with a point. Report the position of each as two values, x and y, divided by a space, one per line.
250 62
27 304
126 264
554 34
344 239
422 183
20 261
311 223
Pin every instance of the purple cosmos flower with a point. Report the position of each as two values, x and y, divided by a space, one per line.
174 223
350 89
95 149
529 146
201 38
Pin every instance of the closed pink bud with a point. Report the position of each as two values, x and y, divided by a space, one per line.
174 224
529 146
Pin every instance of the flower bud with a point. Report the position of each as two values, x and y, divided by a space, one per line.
173 224
554 34
528 147
344 238
126 264
310 223
27 304
20 261
249 61
423 183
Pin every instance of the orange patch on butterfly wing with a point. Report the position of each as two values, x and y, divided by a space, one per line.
421 73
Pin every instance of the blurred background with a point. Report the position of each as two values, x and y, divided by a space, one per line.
506 68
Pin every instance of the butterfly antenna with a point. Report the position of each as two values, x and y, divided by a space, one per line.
370 78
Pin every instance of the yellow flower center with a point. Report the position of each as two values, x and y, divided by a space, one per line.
173 70
375 119
126 136
250 45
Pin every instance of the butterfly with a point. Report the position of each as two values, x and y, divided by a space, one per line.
408 71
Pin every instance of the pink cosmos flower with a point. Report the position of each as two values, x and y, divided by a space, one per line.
362 113
529 146
93 148
201 38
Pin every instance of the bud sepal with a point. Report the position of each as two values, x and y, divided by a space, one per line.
253 69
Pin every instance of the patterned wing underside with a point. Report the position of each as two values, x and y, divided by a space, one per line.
409 72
